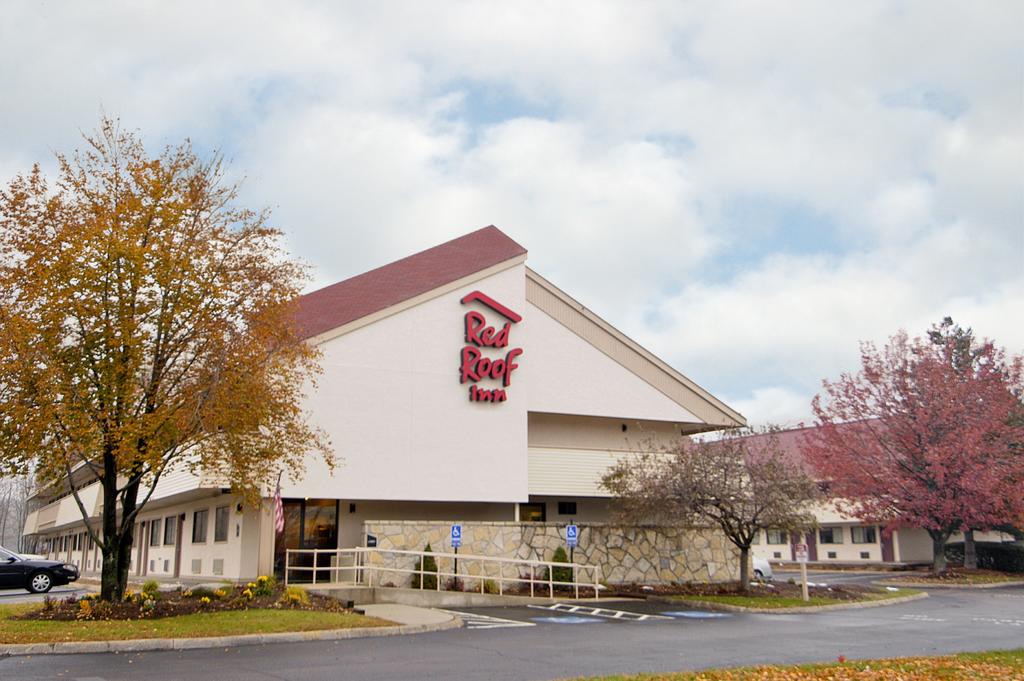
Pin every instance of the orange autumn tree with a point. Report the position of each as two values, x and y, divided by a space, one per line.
145 326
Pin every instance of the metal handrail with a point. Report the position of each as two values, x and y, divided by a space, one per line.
364 568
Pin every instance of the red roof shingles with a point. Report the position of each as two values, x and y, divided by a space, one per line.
362 295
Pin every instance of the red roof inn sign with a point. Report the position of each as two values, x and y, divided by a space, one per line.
476 366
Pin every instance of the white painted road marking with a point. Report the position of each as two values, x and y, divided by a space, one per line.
994 620
477 621
599 612
921 618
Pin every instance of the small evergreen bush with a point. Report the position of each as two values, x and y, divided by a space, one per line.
427 565
561 574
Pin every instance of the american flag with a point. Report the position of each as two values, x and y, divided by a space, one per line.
278 509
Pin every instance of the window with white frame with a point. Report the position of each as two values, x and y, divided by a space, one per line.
830 535
154 532
863 535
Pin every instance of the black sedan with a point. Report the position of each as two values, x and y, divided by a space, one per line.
38 576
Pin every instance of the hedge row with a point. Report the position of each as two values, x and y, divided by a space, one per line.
1006 557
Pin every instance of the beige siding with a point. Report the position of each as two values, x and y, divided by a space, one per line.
176 481
69 512
569 472
560 431
31 521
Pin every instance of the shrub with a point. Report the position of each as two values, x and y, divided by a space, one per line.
561 574
490 586
1002 556
294 596
427 565
263 586
151 587
454 584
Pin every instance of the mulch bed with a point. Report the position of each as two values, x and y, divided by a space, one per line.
846 592
176 603
959 575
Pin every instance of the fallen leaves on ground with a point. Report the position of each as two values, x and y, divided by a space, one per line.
997 666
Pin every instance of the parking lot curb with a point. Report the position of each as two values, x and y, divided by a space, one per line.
919 585
149 644
725 607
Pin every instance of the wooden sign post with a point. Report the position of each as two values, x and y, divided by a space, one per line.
801 557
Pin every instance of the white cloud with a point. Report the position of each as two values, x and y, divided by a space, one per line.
627 133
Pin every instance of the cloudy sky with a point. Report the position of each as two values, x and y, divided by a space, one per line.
747 189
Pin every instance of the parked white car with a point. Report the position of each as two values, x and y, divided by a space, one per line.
763 569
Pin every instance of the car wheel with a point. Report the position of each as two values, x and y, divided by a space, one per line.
759 575
40 583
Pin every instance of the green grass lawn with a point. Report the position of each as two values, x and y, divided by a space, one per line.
224 623
761 600
992 666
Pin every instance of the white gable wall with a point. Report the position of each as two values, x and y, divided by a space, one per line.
568 375
391 402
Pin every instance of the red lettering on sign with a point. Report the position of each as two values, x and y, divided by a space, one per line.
478 333
477 394
475 366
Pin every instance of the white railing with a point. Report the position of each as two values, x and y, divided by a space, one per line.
365 566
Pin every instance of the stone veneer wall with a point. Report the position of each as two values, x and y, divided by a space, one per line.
646 555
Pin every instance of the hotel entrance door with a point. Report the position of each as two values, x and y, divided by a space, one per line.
308 524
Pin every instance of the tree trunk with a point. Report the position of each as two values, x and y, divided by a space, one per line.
744 568
110 589
970 551
938 550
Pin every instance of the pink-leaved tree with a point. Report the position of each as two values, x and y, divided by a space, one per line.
919 438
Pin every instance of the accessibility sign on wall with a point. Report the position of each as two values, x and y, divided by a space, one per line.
572 535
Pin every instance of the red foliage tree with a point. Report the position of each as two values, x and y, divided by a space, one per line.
918 439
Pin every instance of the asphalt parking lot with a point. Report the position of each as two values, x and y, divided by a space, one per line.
8 596
519 643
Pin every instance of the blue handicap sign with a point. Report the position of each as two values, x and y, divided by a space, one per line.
572 535
456 536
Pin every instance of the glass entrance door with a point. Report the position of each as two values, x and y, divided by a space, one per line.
308 524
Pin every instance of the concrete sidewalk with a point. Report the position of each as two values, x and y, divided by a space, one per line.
406 614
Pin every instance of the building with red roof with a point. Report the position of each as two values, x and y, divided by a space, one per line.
458 386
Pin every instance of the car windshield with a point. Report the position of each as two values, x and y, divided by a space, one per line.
5 555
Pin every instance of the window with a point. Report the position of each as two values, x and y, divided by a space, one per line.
199 526
154 533
778 537
566 508
170 529
532 513
756 539
862 535
830 535
221 518
832 554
